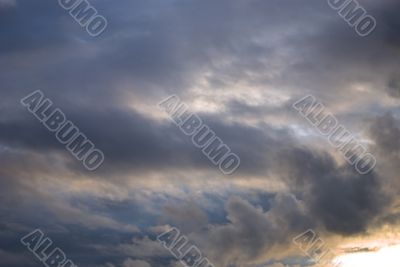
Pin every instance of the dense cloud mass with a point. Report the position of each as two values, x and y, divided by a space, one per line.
239 65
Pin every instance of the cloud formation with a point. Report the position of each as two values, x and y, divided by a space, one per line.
239 65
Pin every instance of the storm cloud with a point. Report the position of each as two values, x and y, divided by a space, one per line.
239 65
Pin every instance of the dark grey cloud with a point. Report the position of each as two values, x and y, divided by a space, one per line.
342 200
131 141
385 131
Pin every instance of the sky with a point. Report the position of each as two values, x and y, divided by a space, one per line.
239 65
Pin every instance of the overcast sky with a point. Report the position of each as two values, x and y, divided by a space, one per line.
239 65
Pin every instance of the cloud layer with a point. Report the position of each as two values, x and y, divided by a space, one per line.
239 65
